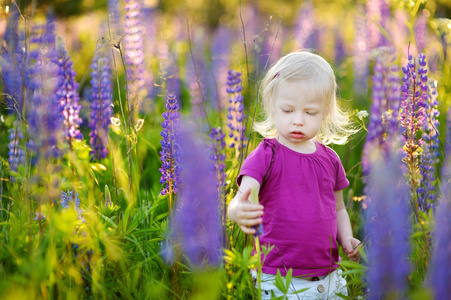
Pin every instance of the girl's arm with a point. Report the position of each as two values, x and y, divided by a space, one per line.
344 237
241 211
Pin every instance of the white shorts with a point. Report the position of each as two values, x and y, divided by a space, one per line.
325 288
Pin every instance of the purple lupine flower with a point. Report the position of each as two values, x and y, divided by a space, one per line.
304 25
340 49
439 273
170 153
429 156
43 107
13 63
67 199
218 156
16 152
361 56
384 105
134 55
67 92
271 50
197 221
236 117
448 132
388 229
219 50
101 110
413 101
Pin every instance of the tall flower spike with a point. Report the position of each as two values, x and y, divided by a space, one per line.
235 116
384 105
387 228
101 110
429 156
219 50
170 153
134 55
16 152
67 92
413 111
448 132
13 63
439 273
218 157
304 26
43 107
197 221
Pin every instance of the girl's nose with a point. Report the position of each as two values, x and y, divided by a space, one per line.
298 120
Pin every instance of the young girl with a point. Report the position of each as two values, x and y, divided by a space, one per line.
300 180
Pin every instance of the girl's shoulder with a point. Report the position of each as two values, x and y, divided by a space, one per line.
328 151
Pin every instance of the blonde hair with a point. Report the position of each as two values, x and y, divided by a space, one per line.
316 76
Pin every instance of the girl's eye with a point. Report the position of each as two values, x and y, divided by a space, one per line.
286 110
311 113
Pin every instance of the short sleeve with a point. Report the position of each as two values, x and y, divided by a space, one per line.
257 163
341 182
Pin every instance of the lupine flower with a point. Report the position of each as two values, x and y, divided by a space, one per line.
271 51
387 228
13 63
429 156
170 153
101 110
218 156
134 55
439 273
235 117
340 50
197 220
16 152
361 50
384 105
220 47
67 199
448 132
413 108
44 109
304 26
67 92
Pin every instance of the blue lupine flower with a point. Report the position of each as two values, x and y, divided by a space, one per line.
429 156
134 54
13 63
413 101
170 153
197 220
43 107
236 117
67 198
67 92
16 152
101 110
439 273
384 105
388 229
420 29
218 156
448 132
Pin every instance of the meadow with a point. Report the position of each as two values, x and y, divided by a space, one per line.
124 126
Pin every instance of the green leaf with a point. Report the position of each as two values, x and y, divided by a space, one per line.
288 278
279 283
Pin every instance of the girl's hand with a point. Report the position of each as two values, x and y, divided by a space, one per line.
351 246
244 213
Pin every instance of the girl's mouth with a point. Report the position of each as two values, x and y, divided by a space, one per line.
296 134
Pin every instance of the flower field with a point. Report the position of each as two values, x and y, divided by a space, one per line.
124 124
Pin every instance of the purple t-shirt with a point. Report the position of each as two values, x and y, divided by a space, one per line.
300 217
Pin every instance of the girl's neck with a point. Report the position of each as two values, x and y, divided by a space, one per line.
307 147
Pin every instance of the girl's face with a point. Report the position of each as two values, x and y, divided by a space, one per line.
298 116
